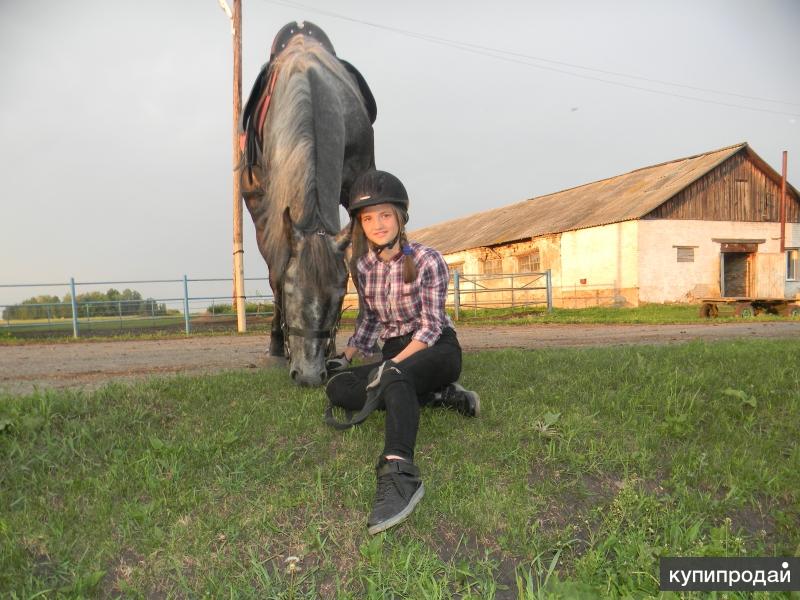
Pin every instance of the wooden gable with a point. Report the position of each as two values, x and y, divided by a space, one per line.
739 189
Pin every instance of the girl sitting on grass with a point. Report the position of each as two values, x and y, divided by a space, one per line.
404 287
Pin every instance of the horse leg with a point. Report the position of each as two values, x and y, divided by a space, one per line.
276 347
276 341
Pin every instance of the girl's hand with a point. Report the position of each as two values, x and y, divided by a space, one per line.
413 347
338 363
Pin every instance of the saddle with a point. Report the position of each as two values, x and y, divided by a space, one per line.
254 115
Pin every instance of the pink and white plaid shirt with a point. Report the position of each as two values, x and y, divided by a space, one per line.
392 307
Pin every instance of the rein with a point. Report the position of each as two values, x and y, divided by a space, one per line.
257 122
262 110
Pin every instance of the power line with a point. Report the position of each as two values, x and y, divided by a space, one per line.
518 58
462 45
640 78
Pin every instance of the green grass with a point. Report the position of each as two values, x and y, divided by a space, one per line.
63 327
128 329
651 314
585 467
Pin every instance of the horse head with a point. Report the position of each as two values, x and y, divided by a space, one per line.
313 288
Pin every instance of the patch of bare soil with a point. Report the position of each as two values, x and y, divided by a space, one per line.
23 369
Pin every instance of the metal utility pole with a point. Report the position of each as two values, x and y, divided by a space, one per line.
238 250
783 201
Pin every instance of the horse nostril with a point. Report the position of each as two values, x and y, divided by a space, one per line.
294 373
323 376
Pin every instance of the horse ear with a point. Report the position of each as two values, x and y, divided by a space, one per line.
342 239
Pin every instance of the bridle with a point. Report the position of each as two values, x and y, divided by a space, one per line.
310 334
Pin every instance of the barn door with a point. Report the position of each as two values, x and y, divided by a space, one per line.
769 275
735 274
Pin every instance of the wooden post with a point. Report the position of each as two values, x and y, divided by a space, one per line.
238 250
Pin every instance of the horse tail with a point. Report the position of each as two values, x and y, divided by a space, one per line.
329 148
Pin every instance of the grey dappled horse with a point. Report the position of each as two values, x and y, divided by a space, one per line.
317 138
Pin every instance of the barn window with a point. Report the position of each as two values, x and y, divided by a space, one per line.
530 263
792 264
493 266
685 253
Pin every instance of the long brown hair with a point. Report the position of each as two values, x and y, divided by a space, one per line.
361 244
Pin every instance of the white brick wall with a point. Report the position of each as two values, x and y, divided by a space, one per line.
621 258
663 279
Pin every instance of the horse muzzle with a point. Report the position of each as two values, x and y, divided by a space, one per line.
310 377
303 371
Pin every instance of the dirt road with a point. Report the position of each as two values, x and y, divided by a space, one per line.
91 364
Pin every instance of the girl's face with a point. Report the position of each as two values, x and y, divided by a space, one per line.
379 223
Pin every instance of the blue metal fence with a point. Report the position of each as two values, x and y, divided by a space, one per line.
95 315
178 308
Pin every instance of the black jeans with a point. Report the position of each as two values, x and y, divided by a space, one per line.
423 373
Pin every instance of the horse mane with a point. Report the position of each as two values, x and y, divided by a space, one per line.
301 53
289 142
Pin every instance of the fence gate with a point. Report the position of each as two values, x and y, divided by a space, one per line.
500 291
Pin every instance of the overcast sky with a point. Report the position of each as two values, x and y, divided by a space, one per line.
115 117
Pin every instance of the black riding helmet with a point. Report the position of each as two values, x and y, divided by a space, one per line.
306 28
378 187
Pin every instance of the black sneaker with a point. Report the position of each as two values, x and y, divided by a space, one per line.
398 492
456 397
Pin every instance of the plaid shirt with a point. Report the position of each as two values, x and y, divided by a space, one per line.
392 307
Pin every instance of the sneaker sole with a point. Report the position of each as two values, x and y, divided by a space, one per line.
402 515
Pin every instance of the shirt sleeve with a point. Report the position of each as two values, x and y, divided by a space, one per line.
433 281
368 326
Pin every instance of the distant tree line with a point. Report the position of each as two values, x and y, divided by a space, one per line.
112 303
249 307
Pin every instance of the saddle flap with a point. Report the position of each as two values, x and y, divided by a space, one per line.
366 93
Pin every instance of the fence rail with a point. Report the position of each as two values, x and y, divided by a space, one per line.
175 310
182 310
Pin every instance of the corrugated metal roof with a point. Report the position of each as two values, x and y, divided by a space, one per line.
621 198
